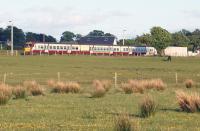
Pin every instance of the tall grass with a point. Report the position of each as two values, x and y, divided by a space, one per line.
65 87
147 107
139 86
124 123
98 89
189 83
5 94
188 102
33 88
19 92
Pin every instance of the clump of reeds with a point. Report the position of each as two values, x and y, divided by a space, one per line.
124 123
51 83
147 107
126 87
157 84
66 87
33 88
19 92
189 83
188 102
5 94
107 85
98 89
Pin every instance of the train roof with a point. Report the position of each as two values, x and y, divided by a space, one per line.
97 40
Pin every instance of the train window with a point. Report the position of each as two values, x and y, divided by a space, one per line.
61 47
65 47
76 48
54 47
50 47
42 47
58 47
117 49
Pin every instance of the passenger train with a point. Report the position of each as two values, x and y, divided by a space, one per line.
54 48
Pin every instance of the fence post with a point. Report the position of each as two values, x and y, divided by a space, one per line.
115 79
58 76
176 75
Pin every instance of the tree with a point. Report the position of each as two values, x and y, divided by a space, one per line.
96 33
34 37
195 39
127 42
78 37
18 36
180 39
67 36
161 38
145 39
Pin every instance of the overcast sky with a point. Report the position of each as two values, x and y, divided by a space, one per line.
81 16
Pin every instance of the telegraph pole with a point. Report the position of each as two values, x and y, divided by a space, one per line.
124 36
11 38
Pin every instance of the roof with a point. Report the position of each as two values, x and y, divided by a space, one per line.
96 40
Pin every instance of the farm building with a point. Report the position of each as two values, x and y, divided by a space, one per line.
98 41
176 51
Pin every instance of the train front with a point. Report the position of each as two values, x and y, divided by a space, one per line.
28 48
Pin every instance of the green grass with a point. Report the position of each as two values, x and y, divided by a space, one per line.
77 111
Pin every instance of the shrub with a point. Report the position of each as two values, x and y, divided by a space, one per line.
157 84
127 88
5 94
137 86
33 88
188 103
98 89
189 83
19 92
124 123
148 107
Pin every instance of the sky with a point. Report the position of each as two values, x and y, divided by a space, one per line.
53 17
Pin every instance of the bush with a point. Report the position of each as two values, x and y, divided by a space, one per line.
188 103
189 83
33 88
157 84
5 94
124 123
148 107
73 87
98 89
19 92
107 85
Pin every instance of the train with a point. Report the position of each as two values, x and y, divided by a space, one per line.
74 48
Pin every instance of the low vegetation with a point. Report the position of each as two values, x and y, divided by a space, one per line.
98 89
124 123
188 102
33 88
5 94
64 87
147 107
19 92
189 83
139 86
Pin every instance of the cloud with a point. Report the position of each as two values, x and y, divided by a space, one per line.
192 13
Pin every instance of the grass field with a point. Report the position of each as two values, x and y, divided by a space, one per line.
77 111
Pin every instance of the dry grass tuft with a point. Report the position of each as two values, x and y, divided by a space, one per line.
98 89
124 123
139 86
33 88
147 107
5 94
188 102
66 87
189 83
19 92
107 85
51 83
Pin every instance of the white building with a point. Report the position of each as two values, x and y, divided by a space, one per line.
176 51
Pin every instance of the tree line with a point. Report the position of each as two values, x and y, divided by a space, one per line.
158 37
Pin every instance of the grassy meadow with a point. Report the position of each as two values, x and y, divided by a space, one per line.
80 112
